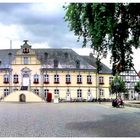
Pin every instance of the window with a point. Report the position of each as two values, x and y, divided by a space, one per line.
79 79
46 55
56 91
6 79
89 92
46 79
55 63
36 79
26 50
110 80
36 91
133 78
110 93
56 79
77 64
15 79
68 92
89 79
79 93
46 92
66 55
127 78
68 80
6 92
101 92
101 80
26 60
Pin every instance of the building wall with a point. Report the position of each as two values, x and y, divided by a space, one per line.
35 67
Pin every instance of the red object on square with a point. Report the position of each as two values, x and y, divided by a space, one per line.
49 97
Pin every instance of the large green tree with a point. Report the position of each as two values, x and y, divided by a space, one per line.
107 27
117 86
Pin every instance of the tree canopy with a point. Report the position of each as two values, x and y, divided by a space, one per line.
107 27
117 86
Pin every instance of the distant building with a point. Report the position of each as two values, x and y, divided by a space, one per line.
130 77
28 75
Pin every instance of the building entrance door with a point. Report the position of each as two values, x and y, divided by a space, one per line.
22 98
26 80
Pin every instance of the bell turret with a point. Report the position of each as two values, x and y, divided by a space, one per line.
26 47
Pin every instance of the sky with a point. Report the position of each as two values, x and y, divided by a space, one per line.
43 25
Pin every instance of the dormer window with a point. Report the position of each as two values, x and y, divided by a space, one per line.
26 50
66 55
77 64
46 55
55 63
9 53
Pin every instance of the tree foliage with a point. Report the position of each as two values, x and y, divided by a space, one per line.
117 86
137 87
113 27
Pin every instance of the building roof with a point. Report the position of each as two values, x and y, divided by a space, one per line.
92 61
6 57
66 58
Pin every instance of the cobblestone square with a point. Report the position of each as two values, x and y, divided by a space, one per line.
68 120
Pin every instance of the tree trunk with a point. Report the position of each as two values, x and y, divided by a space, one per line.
116 95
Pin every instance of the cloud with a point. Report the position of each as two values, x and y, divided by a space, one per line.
39 22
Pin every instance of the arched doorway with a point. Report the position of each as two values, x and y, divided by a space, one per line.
22 98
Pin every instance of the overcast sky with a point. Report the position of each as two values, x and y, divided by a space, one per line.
42 24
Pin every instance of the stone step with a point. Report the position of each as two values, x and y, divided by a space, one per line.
22 96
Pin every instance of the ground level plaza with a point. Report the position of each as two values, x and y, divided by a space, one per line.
68 120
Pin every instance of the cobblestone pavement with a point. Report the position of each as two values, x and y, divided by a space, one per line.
68 120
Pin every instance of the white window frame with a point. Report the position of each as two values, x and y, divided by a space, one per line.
56 91
89 79
56 78
79 93
110 79
101 79
46 78
101 92
36 91
26 60
15 77
68 78
6 78
46 91
6 91
36 78
79 78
